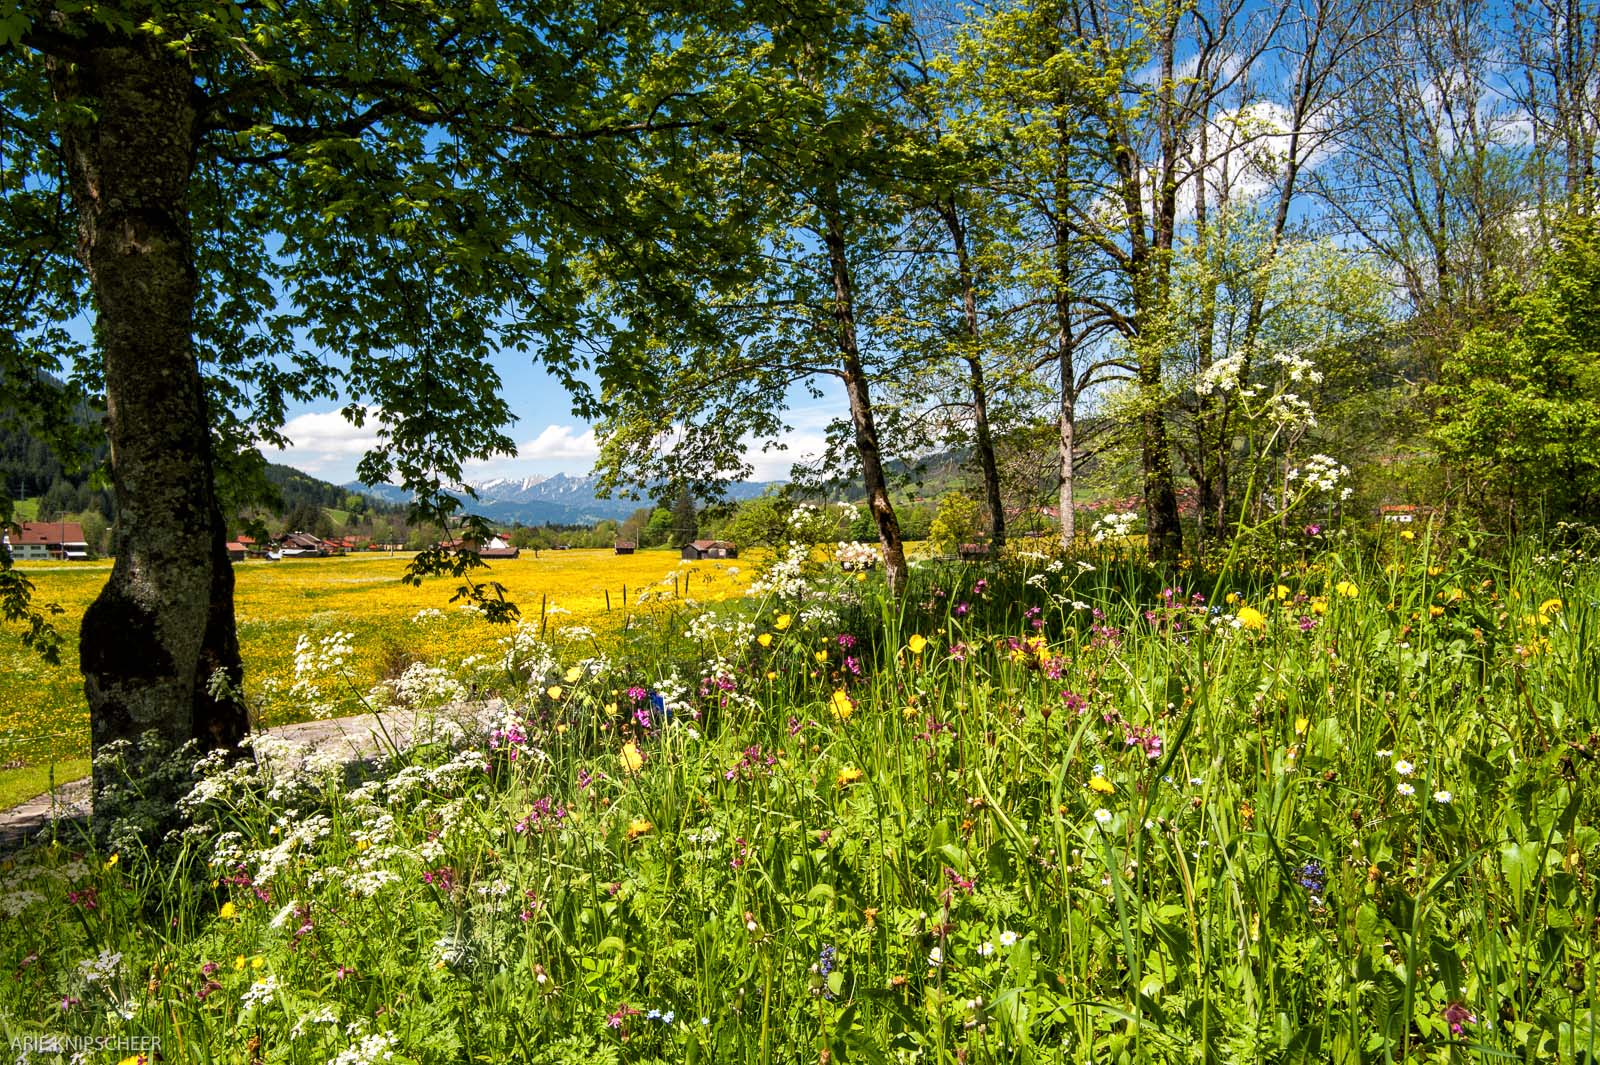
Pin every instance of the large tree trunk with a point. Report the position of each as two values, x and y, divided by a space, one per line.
984 436
855 385
164 623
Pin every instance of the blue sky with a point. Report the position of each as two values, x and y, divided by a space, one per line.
550 439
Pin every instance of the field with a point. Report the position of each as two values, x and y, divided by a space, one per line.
1046 810
43 718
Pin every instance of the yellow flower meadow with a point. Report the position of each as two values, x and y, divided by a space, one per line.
848 775
1550 607
1251 618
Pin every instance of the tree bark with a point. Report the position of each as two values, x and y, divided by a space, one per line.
984 436
164 622
866 429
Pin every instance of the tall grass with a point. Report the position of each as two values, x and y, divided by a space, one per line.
1341 811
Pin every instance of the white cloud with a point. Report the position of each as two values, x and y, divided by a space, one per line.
560 442
324 444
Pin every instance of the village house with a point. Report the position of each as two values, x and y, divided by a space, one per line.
498 546
41 540
701 549
624 547
303 545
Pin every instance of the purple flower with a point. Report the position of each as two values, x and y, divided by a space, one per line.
961 609
846 641
1456 1015
825 959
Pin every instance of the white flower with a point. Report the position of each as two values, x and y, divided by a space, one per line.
1008 938
935 958
370 1051
260 991
1404 768
1103 816
1443 797
1384 754
1405 789
985 949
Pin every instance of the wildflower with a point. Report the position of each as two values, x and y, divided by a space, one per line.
1550 607
1403 788
825 959
1404 768
1008 938
781 622
638 827
228 912
111 861
1456 1015
1101 784
1347 589
1251 618
1443 797
1313 878
848 775
842 705
765 639
1301 724
554 691
935 958
632 759
1282 592
822 657
985 949
574 674
1103 816
917 643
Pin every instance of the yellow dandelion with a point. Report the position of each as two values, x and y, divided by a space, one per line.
1547 608
1282 591
638 827
848 775
1435 611
842 706
258 962
1319 605
239 963
1251 618
1231 598
1407 534
782 622
632 760
765 639
1434 571
1101 784
1347 589
228 912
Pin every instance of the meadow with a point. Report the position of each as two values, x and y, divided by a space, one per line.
1050 809
44 720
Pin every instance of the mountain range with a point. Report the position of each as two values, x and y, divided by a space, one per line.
559 499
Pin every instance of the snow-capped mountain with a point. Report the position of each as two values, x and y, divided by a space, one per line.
560 499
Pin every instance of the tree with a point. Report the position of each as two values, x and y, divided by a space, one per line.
813 188
684 523
957 522
399 184
1520 401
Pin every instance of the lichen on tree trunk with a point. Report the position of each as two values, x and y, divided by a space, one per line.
164 623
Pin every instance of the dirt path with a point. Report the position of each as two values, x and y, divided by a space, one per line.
350 738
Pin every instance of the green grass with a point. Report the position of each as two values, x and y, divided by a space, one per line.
25 509
988 826
20 785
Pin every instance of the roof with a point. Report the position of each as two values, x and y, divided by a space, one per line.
236 545
706 545
46 533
